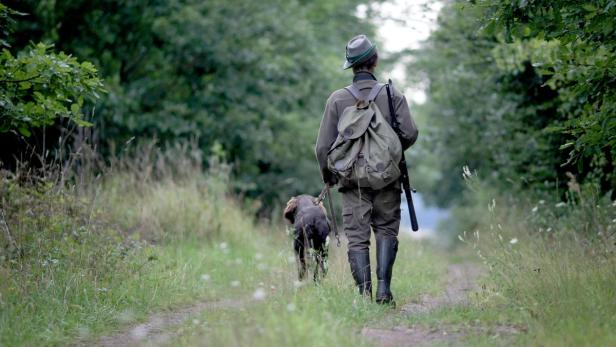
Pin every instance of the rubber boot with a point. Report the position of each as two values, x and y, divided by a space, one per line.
386 249
360 268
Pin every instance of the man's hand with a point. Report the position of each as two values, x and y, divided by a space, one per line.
329 178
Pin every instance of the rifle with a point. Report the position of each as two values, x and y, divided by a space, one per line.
404 172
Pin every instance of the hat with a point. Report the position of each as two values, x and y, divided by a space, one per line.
358 50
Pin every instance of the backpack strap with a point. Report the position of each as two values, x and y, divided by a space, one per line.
354 91
374 92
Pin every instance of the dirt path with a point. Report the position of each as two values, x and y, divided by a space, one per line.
156 330
461 280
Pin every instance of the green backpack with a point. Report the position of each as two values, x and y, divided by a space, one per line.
367 151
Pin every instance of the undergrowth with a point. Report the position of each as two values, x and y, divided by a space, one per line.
80 257
552 267
89 254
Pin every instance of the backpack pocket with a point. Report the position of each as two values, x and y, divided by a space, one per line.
382 176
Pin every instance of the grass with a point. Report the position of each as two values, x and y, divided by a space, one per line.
552 270
329 314
79 261
83 261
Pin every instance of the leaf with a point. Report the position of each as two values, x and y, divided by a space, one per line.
567 145
24 131
490 28
82 123
75 109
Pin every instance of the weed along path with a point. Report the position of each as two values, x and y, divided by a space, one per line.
461 281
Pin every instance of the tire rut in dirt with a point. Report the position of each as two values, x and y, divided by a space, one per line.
461 280
156 330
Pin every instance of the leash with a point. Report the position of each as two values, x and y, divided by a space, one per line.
320 198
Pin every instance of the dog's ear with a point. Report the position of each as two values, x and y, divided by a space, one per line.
289 211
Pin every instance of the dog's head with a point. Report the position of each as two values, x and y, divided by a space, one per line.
291 209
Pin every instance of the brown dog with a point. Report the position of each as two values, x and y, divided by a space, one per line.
311 230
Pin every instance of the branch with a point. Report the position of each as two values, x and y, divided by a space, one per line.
19 81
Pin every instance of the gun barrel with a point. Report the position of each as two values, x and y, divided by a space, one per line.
404 172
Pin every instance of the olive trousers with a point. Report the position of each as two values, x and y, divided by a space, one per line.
365 208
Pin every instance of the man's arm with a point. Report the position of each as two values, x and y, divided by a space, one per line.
408 129
328 131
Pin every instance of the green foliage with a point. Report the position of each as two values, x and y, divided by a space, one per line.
38 86
6 22
581 67
250 76
515 104
486 111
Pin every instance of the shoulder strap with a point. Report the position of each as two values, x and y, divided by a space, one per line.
374 92
354 91
392 111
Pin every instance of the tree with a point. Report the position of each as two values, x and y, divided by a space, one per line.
581 67
249 76
38 86
489 108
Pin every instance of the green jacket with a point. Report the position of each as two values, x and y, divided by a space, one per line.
341 99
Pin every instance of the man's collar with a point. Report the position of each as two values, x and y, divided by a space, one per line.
363 75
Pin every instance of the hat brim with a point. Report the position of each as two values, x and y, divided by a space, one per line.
368 54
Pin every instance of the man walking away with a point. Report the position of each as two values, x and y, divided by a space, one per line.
363 207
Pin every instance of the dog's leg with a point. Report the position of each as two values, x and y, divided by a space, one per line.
300 258
320 256
323 261
315 261
316 267
318 264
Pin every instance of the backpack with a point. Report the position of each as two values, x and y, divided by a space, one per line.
367 151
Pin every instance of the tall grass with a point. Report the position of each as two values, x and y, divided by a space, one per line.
552 264
83 254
